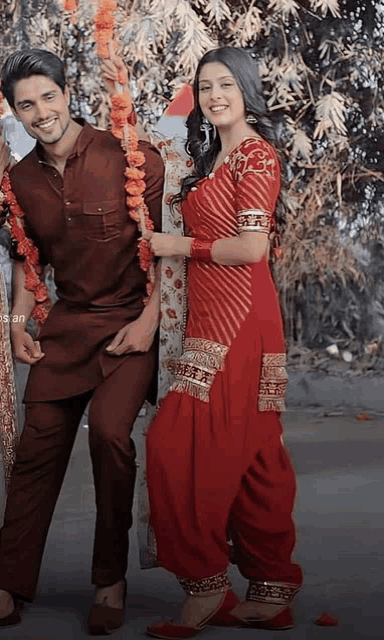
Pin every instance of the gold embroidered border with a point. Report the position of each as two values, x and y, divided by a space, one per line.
258 160
8 404
272 592
273 382
253 220
220 582
195 370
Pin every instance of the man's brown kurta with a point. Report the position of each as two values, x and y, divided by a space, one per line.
81 226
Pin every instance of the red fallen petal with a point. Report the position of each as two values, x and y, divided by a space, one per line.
363 416
326 620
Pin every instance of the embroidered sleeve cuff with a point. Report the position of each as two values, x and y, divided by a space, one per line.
254 220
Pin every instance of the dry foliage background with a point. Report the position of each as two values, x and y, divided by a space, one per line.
322 63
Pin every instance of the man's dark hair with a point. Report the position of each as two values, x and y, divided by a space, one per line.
30 62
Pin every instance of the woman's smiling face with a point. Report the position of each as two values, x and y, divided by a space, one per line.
220 98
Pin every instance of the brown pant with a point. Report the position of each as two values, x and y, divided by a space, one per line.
42 459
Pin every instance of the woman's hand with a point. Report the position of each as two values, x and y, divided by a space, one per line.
165 245
114 70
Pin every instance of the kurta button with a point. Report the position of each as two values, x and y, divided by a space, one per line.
68 218
67 203
99 208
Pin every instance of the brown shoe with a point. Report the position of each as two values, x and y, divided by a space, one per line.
103 619
13 617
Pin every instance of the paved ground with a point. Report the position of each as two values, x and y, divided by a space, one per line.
340 523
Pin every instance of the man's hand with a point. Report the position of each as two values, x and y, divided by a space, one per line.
135 336
25 348
114 70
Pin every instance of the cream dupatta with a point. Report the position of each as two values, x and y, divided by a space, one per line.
173 302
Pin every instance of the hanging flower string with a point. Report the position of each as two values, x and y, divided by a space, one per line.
26 248
123 119
71 6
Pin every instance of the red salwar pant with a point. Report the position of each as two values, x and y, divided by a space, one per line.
217 469
42 459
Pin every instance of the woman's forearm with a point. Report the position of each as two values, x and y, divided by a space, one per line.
246 248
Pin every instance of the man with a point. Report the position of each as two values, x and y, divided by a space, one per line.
97 343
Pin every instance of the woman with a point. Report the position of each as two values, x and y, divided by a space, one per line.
215 462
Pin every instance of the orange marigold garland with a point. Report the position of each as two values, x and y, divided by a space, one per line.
26 248
122 128
71 6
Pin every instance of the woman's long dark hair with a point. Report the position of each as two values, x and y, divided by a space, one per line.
244 68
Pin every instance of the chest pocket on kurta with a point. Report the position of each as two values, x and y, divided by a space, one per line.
102 220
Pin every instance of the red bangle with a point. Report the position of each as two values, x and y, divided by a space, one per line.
201 250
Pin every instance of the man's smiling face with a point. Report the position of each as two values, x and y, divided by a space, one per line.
42 108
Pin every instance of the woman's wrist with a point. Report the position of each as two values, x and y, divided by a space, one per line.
184 246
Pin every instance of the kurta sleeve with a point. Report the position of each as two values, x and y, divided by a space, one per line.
256 172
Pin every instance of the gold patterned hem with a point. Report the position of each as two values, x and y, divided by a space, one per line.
195 370
254 220
8 404
272 592
273 382
220 582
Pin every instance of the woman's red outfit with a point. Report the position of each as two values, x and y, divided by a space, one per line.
216 466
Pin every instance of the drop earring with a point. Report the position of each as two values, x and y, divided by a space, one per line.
251 118
206 127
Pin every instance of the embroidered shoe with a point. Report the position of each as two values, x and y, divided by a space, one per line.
283 620
170 630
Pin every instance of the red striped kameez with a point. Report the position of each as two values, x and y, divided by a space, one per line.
215 462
